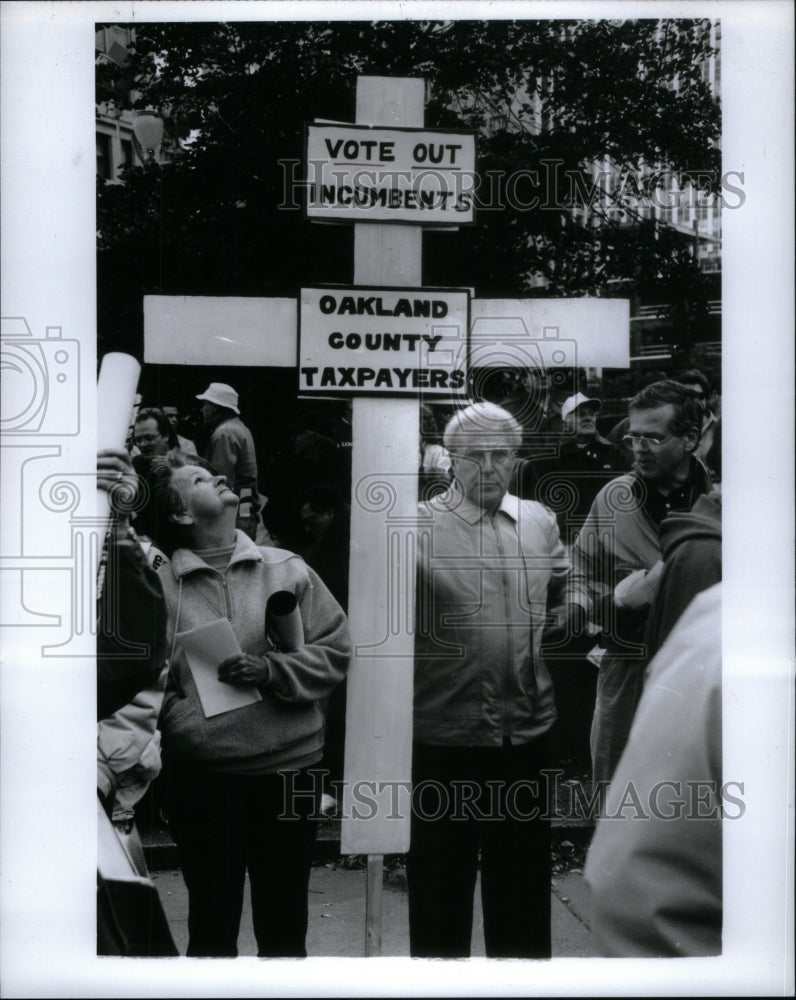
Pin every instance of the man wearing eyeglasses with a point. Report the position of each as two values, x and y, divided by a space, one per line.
617 554
154 437
483 702
153 434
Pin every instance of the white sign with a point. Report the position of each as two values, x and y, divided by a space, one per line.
219 331
356 173
383 341
550 333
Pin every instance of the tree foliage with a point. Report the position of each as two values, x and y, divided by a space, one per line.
546 97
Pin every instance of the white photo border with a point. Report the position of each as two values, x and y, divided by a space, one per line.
47 933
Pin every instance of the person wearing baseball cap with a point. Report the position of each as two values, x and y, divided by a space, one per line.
569 483
585 463
230 450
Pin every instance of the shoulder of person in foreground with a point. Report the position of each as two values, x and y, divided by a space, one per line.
655 866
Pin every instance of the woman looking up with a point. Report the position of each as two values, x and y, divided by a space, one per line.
239 790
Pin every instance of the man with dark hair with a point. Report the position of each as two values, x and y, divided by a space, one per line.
153 434
154 437
230 450
642 380
696 381
184 444
617 554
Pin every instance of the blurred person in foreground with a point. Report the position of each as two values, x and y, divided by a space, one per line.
655 863
483 702
240 793
131 656
131 634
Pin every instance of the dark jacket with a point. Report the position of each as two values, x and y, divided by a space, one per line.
131 639
568 483
691 544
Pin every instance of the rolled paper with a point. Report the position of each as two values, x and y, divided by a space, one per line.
283 627
116 389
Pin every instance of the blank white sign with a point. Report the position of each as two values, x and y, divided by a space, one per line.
208 330
555 333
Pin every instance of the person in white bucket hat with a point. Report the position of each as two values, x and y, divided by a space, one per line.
221 395
230 450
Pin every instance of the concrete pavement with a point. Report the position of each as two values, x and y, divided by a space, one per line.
337 914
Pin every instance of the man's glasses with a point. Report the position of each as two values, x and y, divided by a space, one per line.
652 441
146 438
499 456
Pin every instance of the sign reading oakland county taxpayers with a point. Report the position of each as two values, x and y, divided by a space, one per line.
357 173
383 341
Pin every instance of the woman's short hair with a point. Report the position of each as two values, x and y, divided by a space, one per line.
470 425
167 500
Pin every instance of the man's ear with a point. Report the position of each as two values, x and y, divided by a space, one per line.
181 517
691 440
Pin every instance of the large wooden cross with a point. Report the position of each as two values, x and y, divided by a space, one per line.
263 332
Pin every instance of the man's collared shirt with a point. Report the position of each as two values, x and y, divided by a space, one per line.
482 597
658 505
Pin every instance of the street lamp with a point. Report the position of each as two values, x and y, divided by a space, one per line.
148 131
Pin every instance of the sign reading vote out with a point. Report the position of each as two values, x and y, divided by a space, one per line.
361 174
383 341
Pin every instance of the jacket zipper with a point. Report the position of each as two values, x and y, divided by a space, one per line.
227 598
508 666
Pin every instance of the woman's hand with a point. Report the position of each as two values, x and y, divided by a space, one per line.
244 669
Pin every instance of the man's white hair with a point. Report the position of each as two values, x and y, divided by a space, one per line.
477 421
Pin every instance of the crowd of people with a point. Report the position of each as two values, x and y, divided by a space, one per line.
561 563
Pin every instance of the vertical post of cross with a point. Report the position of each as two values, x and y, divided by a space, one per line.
386 441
